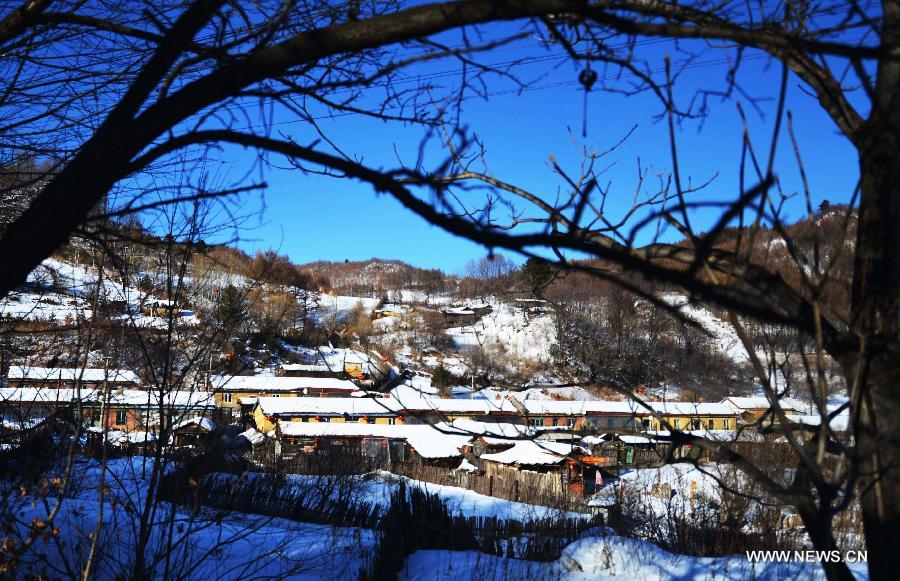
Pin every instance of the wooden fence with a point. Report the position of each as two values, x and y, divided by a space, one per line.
500 482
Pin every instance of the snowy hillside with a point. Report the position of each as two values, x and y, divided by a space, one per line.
511 332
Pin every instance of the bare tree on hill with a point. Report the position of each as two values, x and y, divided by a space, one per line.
110 97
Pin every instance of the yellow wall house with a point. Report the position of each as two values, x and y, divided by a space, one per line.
751 409
231 388
269 411
689 416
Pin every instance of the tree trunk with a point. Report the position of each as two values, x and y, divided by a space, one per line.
818 527
875 318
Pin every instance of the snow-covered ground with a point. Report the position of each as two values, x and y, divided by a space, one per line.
207 545
604 557
228 545
44 306
724 335
510 331
339 308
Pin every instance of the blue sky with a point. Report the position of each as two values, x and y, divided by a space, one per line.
311 217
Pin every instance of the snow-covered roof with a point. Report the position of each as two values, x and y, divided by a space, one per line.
412 405
394 308
839 423
633 439
255 437
162 302
531 453
426 440
715 435
139 437
307 367
38 395
557 407
374 406
90 374
20 425
205 423
275 406
466 466
271 383
682 408
120 437
458 311
176 399
762 403
492 432
590 407
128 397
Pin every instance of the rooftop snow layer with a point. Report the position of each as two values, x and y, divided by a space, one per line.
531 453
47 374
205 423
763 403
270 383
128 397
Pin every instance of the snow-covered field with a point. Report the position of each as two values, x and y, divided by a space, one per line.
606 557
207 545
238 546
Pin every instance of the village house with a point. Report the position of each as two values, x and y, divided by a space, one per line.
367 410
752 409
193 431
537 414
160 308
70 377
581 415
233 390
360 366
135 411
378 444
137 442
686 416
392 310
461 316
30 404
310 370
124 410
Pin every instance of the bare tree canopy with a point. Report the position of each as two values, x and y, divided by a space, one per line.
105 95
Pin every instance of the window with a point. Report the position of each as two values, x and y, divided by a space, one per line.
121 417
676 423
712 424
536 422
226 398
